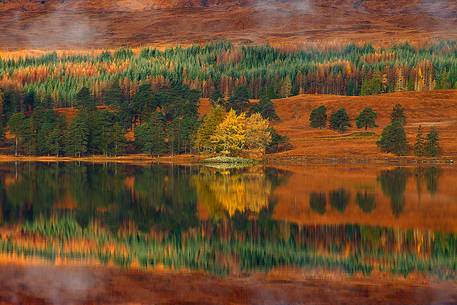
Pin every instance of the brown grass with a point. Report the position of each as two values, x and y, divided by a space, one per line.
51 25
435 108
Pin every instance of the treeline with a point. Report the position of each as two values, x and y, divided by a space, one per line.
222 67
162 122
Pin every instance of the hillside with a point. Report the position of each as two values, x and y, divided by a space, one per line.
50 24
434 108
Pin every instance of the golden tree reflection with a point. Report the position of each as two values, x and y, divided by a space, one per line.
232 191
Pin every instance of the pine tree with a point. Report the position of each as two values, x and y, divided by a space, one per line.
239 101
340 120
84 100
398 114
16 125
217 98
77 136
142 102
117 141
393 139
420 145
318 117
150 135
366 118
113 96
432 147
266 108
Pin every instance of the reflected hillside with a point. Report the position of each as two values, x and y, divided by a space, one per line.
230 222
423 197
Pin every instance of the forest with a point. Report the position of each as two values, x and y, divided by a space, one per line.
155 94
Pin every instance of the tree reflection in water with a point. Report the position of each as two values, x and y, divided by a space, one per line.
148 217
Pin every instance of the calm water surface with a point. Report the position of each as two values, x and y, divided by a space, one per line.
356 221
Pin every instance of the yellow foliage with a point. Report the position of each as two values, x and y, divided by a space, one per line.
230 136
258 136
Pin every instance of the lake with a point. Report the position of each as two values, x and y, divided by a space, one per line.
90 231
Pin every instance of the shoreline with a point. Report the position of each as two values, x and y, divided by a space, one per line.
269 160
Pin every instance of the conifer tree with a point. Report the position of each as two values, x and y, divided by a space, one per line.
318 117
393 139
366 118
150 135
266 108
16 125
77 136
340 120
84 100
239 101
420 145
432 147
286 87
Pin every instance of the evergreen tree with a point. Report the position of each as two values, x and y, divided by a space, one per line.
239 101
366 119
340 120
84 100
56 137
117 141
143 101
266 108
217 98
432 147
77 136
16 125
398 114
101 132
419 146
318 117
113 95
150 135
393 139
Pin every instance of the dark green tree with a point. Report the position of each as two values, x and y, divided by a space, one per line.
16 125
366 119
340 120
318 117
84 100
393 139
266 108
217 98
150 136
77 136
113 95
420 145
143 102
239 101
432 147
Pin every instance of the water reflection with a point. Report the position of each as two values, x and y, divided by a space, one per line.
223 221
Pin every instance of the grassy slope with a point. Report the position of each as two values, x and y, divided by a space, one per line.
435 108
54 24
